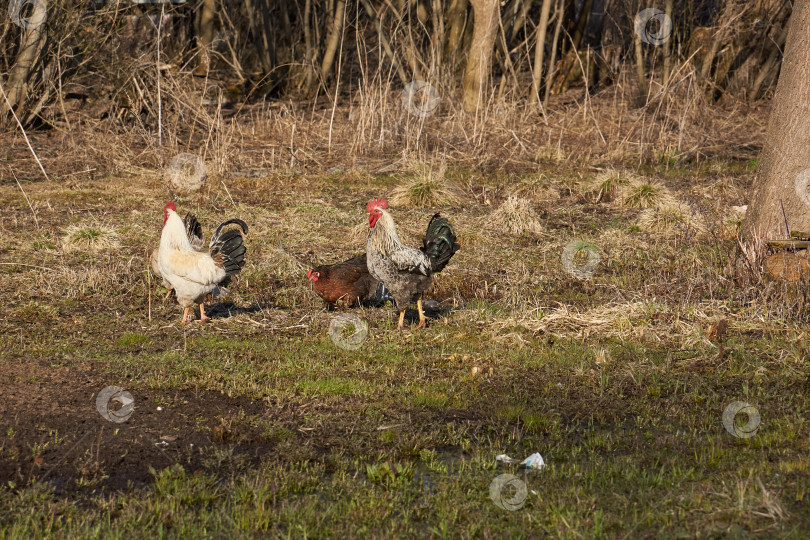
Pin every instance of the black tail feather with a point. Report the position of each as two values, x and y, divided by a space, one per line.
230 245
194 231
439 243
234 221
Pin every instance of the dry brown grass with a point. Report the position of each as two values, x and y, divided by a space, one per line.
643 193
428 188
605 186
90 237
371 130
732 222
515 216
113 279
671 218
538 188
646 321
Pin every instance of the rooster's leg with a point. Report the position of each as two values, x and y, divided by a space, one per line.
422 318
203 318
185 315
402 319
168 294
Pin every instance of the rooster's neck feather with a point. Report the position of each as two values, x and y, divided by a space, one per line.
174 232
384 235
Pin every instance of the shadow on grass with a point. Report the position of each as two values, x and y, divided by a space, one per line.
225 310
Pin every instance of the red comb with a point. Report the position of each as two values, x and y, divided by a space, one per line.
170 206
377 203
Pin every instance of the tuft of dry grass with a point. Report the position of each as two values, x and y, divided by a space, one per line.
670 218
116 279
602 356
359 234
645 321
33 312
605 186
553 154
278 262
93 238
732 222
645 194
515 216
427 188
537 188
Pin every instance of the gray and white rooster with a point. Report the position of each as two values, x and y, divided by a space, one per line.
406 272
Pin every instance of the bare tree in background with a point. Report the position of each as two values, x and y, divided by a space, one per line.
783 178
205 36
479 59
291 48
334 39
33 41
456 20
539 49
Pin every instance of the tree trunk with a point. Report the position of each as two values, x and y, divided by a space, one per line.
559 11
260 23
582 23
456 22
727 19
769 65
539 49
479 60
456 19
520 18
641 79
422 13
667 46
437 19
33 40
311 49
384 43
333 41
784 173
205 37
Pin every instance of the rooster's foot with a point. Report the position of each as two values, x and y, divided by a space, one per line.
203 317
422 318
402 320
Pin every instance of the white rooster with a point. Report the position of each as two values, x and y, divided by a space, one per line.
195 236
192 274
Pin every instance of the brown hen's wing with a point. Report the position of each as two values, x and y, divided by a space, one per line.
366 287
345 281
348 273
327 289
333 290
358 261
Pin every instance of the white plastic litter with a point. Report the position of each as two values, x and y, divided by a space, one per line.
534 461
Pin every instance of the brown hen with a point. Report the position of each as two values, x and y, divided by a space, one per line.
347 282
